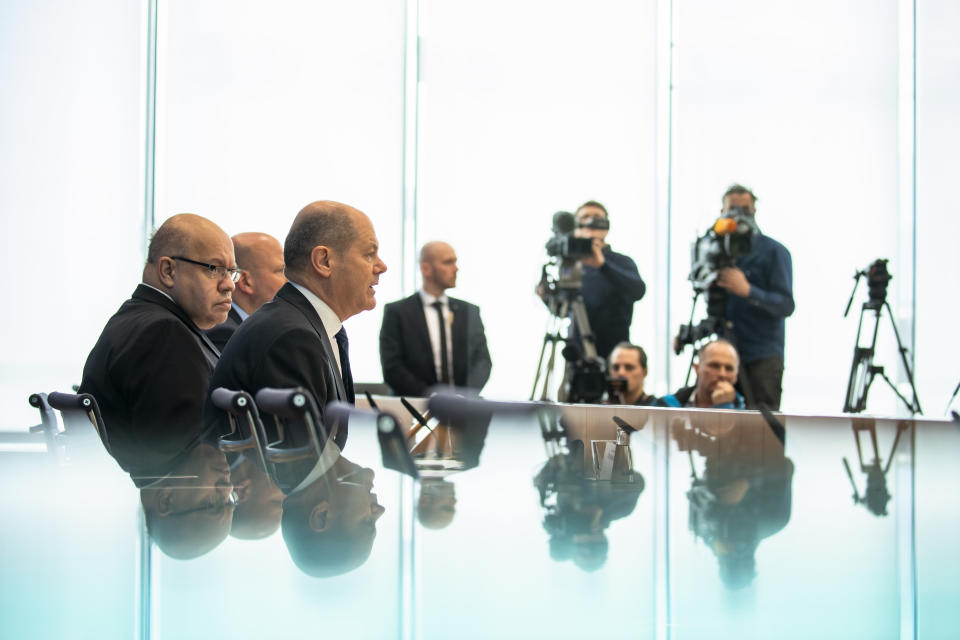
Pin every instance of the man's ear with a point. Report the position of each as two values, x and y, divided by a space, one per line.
165 270
696 368
245 283
318 516
164 500
320 260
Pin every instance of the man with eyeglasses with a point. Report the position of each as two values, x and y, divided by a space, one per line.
260 257
150 368
611 283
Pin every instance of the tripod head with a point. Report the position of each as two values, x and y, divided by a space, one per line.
878 277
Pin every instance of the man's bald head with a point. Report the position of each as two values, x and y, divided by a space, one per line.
332 250
178 261
180 234
260 256
321 223
430 250
438 267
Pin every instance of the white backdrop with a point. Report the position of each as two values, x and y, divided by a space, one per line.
524 108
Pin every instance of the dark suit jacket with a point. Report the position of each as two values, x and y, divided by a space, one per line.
282 345
149 372
222 332
406 354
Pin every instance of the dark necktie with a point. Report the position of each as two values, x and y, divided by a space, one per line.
344 345
444 356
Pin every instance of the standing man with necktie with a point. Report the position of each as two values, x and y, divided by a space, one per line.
298 340
430 338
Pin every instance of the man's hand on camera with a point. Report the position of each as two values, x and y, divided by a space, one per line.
723 393
733 280
596 260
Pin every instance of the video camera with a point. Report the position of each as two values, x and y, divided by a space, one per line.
729 238
564 244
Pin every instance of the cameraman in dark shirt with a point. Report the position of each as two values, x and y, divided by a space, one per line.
611 282
761 288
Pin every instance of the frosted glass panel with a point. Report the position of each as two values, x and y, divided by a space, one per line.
70 187
265 107
522 117
799 102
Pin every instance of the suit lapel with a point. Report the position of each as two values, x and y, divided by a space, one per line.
150 294
290 294
459 342
421 335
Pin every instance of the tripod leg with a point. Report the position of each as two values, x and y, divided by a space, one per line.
915 407
536 378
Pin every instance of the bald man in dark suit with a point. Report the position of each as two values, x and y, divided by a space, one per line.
297 339
431 338
151 366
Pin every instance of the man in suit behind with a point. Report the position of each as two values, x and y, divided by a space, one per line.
260 257
297 339
430 338
151 366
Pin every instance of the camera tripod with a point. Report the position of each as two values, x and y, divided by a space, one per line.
863 371
716 323
875 496
570 303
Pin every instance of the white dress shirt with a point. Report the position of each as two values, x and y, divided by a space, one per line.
331 323
433 328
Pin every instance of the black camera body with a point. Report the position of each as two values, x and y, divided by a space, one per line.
564 244
730 238
877 280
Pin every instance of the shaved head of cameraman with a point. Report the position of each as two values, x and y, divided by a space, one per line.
760 289
611 282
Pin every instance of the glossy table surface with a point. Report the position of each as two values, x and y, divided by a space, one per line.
713 524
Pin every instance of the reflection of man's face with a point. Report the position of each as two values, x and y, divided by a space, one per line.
718 364
190 512
259 502
743 200
625 363
356 271
584 214
205 497
353 505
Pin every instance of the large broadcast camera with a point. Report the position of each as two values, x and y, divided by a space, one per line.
560 281
730 238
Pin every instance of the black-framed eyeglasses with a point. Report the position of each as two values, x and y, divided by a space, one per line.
214 272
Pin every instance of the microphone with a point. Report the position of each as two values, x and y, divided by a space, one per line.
724 226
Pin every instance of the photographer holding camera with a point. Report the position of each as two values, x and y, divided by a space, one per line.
611 282
761 288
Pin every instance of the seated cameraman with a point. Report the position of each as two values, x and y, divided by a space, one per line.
762 288
611 282
629 362
716 369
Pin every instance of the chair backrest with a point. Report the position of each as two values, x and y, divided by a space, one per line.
247 433
302 434
80 415
48 420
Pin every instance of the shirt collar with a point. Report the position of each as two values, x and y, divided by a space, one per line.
160 291
240 312
428 298
329 319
